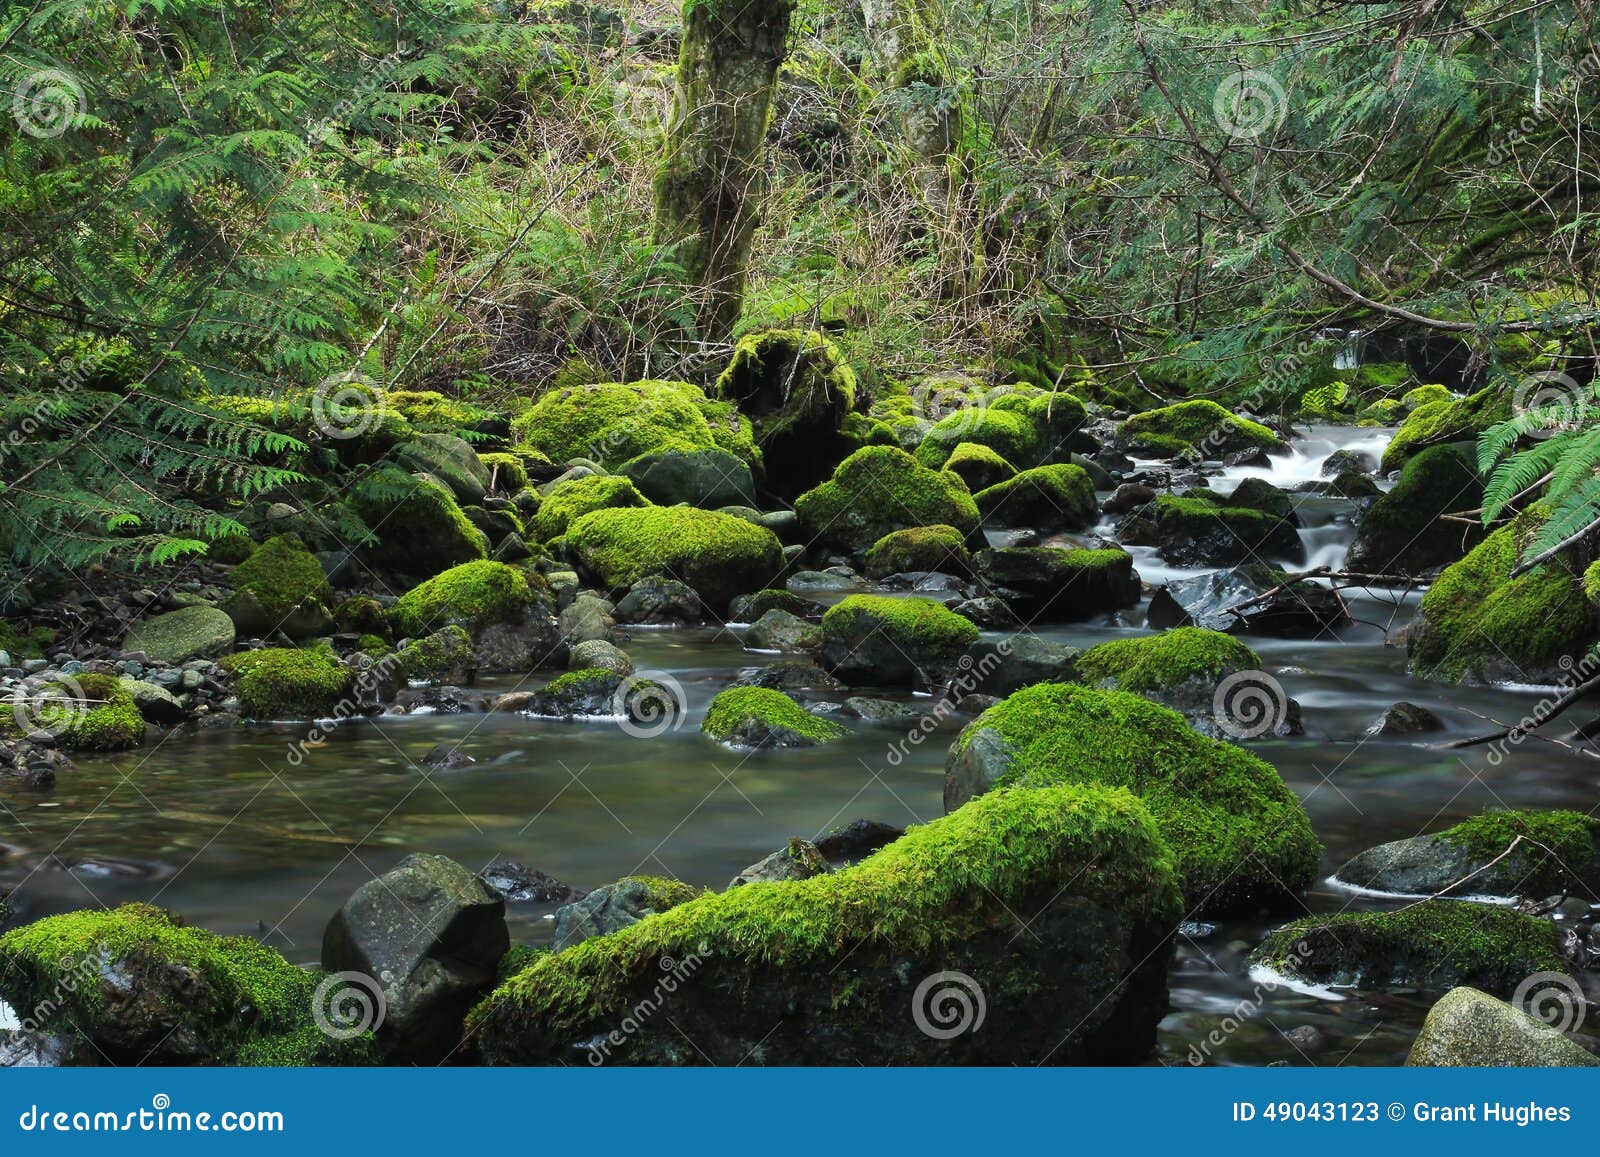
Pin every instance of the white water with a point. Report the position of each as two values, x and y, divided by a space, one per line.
1304 461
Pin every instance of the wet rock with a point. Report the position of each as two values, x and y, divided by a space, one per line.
856 840
1048 585
1348 462
577 694
780 631
447 757
1218 602
1129 496
598 654
178 636
513 548
1404 532
881 710
1408 719
798 860
1483 856
759 718
1471 1028
883 641
520 884
156 704
617 906
998 667
749 608
657 601
520 645
706 478
1350 485
1251 456
431 934
588 617
788 676
987 611
1201 528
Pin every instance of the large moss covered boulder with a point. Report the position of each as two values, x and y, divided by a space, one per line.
878 490
1498 853
1045 584
1008 433
922 548
862 963
451 460
1447 420
289 683
1047 498
614 422
473 595
1202 528
884 641
708 478
1468 1028
978 466
567 501
419 527
281 587
757 717
1433 945
135 986
717 555
1238 836
1478 624
1196 427
1403 532
197 632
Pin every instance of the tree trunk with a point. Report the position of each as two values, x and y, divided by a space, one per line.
711 173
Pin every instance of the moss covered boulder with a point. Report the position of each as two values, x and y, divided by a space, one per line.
85 712
1238 836
1498 853
1477 624
613 422
708 478
978 466
196 632
134 985
289 683
755 717
443 656
1045 584
1047 498
922 548
451 460
1196 427
717 555
281 587
846 966
1468 1028
877 640
1434 945
1403 532
1007 433
417 524
1202 528
878 490
566 501
1446 420
473 595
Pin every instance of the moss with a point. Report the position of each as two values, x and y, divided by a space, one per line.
374 645
230 550
915 896
1436 944
732 710
1478 622
613 422
571 500
1059 497
431 410
288 683
105 719
248 1003
472 595
508 472
1568 864
281 574
438 656
1402 532
864 431
918 627
878 490
1383 412
1173 657
822 381
717 555
752 607
1200 425
1383 377
1591 582
1455 420
978 466
1010 434
581 679
1424 395
1237 834
28 644
360 615
420 528
922 548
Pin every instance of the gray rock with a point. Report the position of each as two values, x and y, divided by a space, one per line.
798 860
1468 1028
615 907
1408 719
535 640
881 710
451 460
657 601
1209 600
177 636
155 703
708 478
520 884
447 757
1000 666
598 653
588 617
778 630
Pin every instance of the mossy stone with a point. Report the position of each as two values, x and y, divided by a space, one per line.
473 595
613 422
1200 426
105 718
978 466
757 717
289 683
922 548
717 555
178 636
1403 532
567 501
281 586
419 526
876 639
878 490
1007 433
1047 498
1446 420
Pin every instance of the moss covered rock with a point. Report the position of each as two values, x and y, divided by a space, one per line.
1199 426
761 718
938 900
1047 498
508 473
1446 420
922 548
1498 853
83 713
978 466
444 656
716 555
879 640
708 478
280 587
195 632
1477 624
473 595
1201 528
1238 836
289 683
419 526
1402 532
1008 433
1045 584
1468 1028
1434 945
570 500
158 992
451 460
613 422
878 490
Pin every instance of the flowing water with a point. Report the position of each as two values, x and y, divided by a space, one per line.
248 831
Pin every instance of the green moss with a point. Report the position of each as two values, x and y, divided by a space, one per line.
1010 434
247 1003
1384 377
508 471
374 645
1196 425
472 595
823 380
437 656
1424 395
1237 834
1174 657
913 897
281 574
431 410
732 708
614 422
105 719
1433 945
1591 582
1402 532
25 644
978 466
418 524
1456 420
1047 497
230 550
922 548
288 683
360 615
571 500
1567 839
865 431
717 555
1478 622
918 627
878 490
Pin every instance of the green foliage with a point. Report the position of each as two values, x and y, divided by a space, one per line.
1559 438
288 683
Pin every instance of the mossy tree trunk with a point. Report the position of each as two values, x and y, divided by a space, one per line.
711 174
